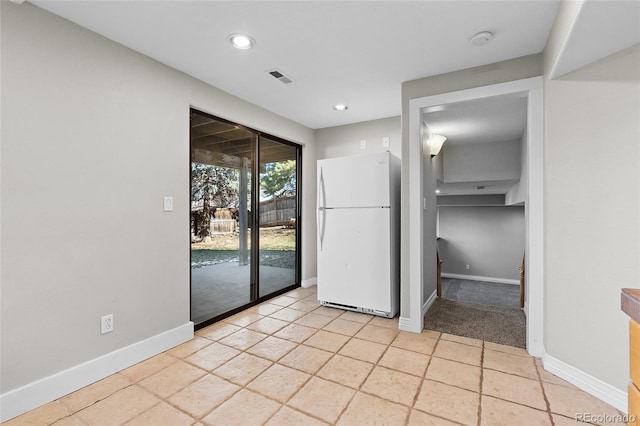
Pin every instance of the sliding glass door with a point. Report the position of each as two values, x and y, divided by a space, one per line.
244 217
278 216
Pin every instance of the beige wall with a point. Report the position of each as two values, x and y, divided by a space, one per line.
493 161
515 69
490 239
341 141
592 212
93 136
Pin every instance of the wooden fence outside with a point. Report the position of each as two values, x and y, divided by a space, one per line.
224 226
278 211
223 221
275 212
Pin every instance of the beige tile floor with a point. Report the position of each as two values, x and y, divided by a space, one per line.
291 362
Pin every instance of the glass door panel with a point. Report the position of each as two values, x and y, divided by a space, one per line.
221 188
278 216
244 217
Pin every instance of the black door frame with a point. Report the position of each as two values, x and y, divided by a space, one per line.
254 220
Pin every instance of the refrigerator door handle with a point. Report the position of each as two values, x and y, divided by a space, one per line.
322 213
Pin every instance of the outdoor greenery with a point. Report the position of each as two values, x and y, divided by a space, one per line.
276 258
277 248
279 179
215 187
218 187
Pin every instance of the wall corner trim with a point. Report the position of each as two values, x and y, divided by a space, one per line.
19 401
556 62
586 382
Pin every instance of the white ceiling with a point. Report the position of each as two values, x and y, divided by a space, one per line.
495 119
355 52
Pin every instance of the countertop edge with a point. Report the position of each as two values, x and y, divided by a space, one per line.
630 303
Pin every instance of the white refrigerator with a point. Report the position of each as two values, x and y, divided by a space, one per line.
358 219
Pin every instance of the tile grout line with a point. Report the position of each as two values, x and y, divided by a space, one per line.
73 413
284 404
245 386
211 372
376 364
359 389
520 377
481 383
311 376
314 375
424 377
137 384
544 393
199 418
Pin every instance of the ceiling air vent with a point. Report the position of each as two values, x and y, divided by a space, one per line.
280 76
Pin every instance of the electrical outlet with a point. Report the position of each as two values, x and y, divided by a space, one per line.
363 144
468 266
106 324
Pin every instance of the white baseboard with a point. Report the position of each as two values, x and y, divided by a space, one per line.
591 385
405 324
309 282
429 302
40 392
479 278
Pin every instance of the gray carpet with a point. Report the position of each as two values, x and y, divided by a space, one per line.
481 292
481 310
495 324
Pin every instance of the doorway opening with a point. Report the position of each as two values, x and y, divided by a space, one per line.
423 205
245 217
481 249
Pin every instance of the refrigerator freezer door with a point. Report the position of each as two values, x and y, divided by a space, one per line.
360 181
354 260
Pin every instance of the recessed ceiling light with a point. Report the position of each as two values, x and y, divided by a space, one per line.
437 191
481 38
340 107
241 41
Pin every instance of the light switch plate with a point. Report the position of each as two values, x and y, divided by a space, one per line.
385 141
168 204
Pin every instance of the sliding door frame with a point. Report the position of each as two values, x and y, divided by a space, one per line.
254 284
